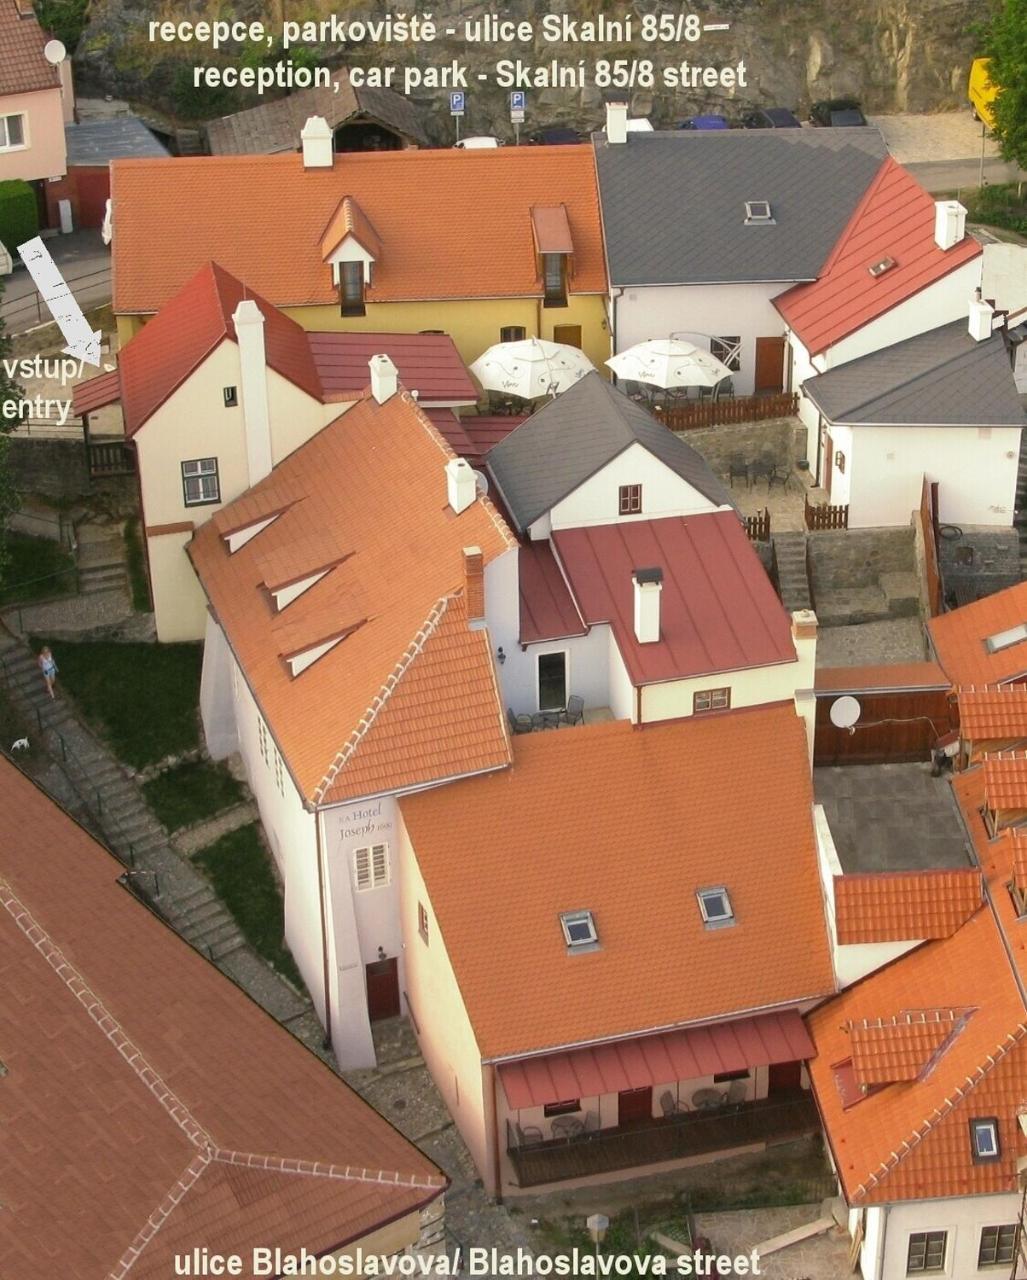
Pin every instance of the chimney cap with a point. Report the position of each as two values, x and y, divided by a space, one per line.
247 312
316 127
642 576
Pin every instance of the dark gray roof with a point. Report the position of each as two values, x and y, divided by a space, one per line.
674 203
275 126
97 142
573 437
939 378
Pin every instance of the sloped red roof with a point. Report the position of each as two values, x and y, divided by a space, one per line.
894 219
993 712
428 363
548 611
885 1050
959 638
23 69
1005 780
900 906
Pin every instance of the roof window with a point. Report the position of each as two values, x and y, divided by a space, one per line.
984 1141
879 267
579 930
758 212
715 906
1006 639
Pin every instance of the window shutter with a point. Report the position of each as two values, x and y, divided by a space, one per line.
379 864
363 868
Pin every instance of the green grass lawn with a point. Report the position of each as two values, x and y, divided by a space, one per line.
190 792
37 568
142 698
239 868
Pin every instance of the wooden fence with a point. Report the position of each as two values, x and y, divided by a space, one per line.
895 726
758 526
715 413
111 459
824 516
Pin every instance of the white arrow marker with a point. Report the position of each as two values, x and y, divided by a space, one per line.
83 342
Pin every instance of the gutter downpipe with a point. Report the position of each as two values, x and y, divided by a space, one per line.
324 929
879 1260
491 1074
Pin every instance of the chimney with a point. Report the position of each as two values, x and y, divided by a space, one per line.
616 122
648 585
461 484
981 315
316 138
249 334
474 587
384 378
804 624
949 223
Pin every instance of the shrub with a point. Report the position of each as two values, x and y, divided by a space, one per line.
19 216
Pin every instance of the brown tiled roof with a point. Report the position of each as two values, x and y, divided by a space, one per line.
23 68
900 906
1005 780
993 712
148 1104
959 638
885 1050
896 675
410 694
627 823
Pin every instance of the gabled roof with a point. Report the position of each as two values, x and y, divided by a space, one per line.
902 906
275 126
199 318
939 378
410 695
674 203
606 818
147 1102
894 219
350 220
575 435
718 608
23 69
263 217
959 638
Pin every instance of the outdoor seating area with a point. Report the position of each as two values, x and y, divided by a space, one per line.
765 467
535 721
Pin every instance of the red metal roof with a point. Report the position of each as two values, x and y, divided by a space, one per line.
718 609
896 675
96 393
657 1060
484 431
428 363
548 611
894 219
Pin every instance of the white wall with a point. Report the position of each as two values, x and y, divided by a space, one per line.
217 696
664 493
962 1218
691 311
753 687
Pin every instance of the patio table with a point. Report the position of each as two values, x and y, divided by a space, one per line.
708 1099
545 720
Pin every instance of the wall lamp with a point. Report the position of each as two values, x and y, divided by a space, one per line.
500 655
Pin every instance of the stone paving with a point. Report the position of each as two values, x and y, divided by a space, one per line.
192 839
824 1257
871 644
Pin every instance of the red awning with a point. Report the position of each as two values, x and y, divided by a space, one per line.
96 393
656 1060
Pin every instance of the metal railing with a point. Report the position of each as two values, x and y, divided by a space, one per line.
92 289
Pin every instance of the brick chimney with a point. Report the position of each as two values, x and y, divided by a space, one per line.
949 223
316 139
249 334
616 122
648 586
384 378
474 587
461 484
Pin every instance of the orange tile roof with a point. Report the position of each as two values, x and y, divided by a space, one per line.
958 638
993 712
903 1047
1016 842
897 675
452 223
148 1105
900 906
593 818
894 219
410 694
192 323
349 219
23 69
1005 780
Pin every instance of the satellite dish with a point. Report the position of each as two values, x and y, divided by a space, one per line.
54 52
481 483
844 712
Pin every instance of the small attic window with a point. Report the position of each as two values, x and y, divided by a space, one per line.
879 267
758 212
715 906
579 930
1006 639
984 1141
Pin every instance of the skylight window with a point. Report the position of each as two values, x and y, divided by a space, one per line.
879 267
1006 639
716 908
984 1139
579 930
758 211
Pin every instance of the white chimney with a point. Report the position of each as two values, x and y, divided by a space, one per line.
949 223
616 122
316 138
648 585
384 378
981 316
461 485
249 334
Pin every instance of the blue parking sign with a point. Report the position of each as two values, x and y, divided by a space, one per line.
517 100
456 104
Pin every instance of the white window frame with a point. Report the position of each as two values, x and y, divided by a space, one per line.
1006 639
262 739
568 918
985 1125
549 653
203 470
5 143
279 772
715 921
371 867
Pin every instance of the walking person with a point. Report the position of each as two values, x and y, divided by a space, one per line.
48 667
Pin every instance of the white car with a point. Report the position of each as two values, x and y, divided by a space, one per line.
478 144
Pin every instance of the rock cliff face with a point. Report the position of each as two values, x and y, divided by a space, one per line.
894 55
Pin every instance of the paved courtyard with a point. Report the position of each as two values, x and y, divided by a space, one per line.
891 817
872 644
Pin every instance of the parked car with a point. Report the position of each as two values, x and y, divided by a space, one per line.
982 93
770 118
837 113
478 143
705 122
555 137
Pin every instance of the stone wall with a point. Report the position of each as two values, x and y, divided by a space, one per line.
57 469
847 558
746 440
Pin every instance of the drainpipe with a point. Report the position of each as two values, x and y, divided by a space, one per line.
879 1260
490 1080
324 929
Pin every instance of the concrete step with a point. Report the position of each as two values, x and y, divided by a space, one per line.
200 914
91 581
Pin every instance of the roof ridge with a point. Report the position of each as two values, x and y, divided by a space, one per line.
182 1185
319 1169
940 1112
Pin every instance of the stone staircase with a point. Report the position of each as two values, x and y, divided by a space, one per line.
101 567
793 581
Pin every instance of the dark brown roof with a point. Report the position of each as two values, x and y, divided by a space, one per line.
22 65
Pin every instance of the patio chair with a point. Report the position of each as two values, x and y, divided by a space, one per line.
764 468
518 724
736 1094
528 1134
778 474
738 466
575 710
591 1122
724 390
670 1105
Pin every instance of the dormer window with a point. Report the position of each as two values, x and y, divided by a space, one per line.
984 1140
579 930
715 907
554 271
551 229
758 213
351 288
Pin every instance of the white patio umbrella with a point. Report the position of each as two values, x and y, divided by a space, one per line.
668 363
530 368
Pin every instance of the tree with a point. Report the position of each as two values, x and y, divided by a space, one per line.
9 390
65 19
1006 45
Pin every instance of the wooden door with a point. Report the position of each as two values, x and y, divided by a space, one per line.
770 365
784 1077
634 1105
383 989
568 334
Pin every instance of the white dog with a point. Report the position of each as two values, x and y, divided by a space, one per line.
21 745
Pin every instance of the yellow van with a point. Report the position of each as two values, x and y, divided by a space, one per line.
982 92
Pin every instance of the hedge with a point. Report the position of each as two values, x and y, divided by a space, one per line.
19 216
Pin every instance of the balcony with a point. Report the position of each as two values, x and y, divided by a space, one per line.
776 1119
